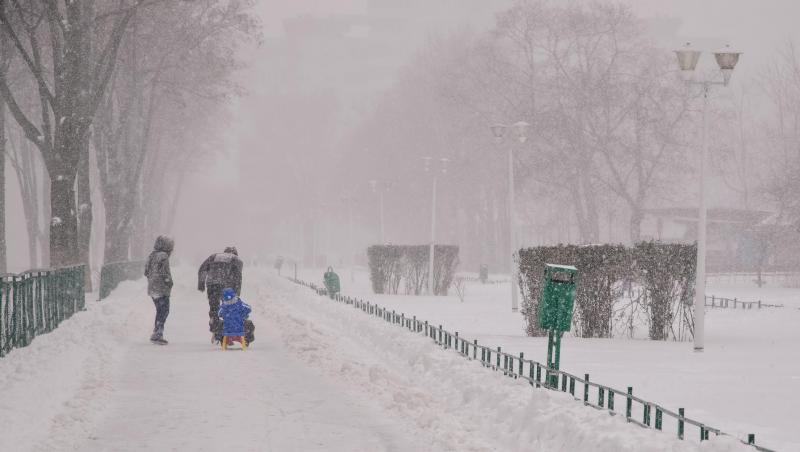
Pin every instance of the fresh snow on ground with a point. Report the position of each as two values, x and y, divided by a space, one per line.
746 381
320 376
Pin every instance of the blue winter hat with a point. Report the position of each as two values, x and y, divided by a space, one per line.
228 294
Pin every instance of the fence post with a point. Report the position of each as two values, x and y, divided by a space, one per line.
680 423
759 304
530 373
455 346
611 399
521 359
572 386
499 352
734 303
601 396
659 415
629 406
474 349
751 438
586 388
646 417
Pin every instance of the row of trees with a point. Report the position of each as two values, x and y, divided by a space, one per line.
389 265
608 115
614 131
126 95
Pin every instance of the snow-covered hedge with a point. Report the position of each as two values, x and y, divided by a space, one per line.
390 265
654 278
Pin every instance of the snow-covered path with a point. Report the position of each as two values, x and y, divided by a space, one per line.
191 396
320 376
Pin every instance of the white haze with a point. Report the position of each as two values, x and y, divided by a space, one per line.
247 190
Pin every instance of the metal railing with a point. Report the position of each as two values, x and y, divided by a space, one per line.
734 303
647 414
36 302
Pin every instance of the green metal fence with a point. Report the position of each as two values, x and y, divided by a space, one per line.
735 303
35 302
636 410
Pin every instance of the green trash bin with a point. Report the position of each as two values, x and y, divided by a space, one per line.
331 281
558 297
556 303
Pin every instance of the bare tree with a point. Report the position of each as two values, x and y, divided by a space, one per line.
70 81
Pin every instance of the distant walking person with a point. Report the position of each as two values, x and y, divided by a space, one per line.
219 271
159 284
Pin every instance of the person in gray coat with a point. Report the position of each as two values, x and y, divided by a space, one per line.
159 284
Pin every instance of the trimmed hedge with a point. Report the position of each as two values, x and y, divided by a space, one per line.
390 265
663 273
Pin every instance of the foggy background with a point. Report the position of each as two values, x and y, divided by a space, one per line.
297 150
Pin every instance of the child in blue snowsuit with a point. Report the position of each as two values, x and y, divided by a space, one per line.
233 311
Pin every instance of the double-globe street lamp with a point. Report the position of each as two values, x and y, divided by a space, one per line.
521 130
442 170
687 61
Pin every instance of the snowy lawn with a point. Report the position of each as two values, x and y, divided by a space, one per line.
746 381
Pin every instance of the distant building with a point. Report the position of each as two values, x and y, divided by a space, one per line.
738 239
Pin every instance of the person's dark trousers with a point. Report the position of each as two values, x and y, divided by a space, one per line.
249 331
214 292
162 311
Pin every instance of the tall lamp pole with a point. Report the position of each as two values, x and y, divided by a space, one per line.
380 189
443 170
521 130
348 200
687 61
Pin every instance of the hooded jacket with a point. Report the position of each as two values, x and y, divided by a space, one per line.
233 312
159 277
221 269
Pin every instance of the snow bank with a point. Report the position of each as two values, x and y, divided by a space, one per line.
464 406
57 387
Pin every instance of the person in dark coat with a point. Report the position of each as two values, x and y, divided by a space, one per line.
159 284
219 271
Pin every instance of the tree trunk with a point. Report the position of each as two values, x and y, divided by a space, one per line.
3 256
84 195
118 226
636 225
44 232
63 221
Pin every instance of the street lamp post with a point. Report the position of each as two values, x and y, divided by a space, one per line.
443 170
687 61
521 130
348 200
379 189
